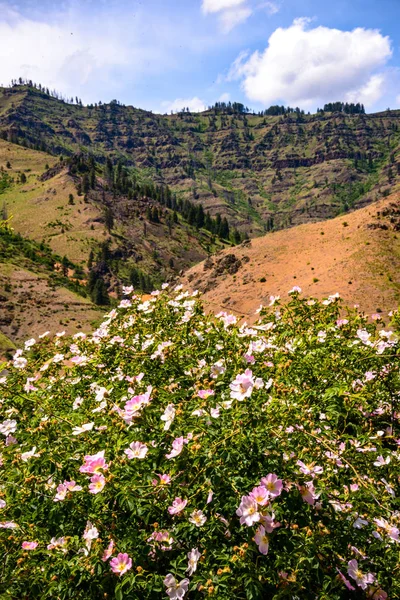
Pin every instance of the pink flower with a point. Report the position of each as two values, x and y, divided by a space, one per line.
249 358
248 511
176 590
29 545
261 539
308 493
121 564
177 446
341 322
97 483
309 469
242 386
204 394
162 537
269 522
273 485
164 479
94 463
108 551
377 594
260 495
177 506
345 581
136 450
361 579
63 488
390 530
61 493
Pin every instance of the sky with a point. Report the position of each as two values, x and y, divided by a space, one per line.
163 55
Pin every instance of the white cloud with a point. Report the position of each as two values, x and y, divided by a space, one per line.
231 18
213 6
271 7
56 54
309 66
101 54
224 97
230 12
193 104
370 92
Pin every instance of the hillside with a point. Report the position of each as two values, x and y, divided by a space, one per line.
43 196
357 255
36 295
262 172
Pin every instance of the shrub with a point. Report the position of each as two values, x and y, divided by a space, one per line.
172 452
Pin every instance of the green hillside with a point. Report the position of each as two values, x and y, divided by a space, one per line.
260 171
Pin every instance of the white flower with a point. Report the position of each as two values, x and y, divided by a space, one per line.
91 533
359 523
176 590
77 402
58 357
193 557
8 426
198 518
380 461
30 343
20 362
168 416
82 429
217 369
25 456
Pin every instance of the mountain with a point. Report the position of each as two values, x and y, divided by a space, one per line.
262 172
357 255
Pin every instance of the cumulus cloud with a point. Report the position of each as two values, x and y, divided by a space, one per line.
307 66
193 104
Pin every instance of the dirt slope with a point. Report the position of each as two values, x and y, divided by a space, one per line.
357 255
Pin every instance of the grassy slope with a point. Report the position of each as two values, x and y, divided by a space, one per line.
295 171
40 209
340 255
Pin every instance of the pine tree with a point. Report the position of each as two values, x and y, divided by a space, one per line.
85 184
99 294
108 219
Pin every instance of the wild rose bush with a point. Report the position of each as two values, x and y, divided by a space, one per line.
176 454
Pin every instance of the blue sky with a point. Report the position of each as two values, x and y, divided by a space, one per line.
165 54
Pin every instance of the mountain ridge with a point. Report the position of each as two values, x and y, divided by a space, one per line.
260 172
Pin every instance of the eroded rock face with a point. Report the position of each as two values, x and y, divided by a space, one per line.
388 218
229 264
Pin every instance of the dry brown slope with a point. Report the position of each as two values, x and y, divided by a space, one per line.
357 255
